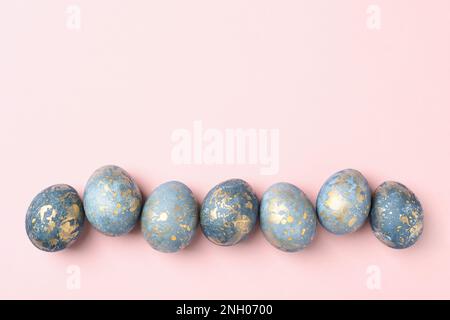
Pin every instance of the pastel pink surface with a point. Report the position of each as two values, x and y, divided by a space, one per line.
112 93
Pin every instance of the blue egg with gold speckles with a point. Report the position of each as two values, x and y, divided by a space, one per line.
112 201
170 217
288 219
396 216
343 203
55 218
229 212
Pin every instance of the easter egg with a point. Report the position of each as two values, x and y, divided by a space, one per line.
229 212
288 219
396 216
55 218
343 203
170 217
112 201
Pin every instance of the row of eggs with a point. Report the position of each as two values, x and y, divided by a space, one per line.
112 203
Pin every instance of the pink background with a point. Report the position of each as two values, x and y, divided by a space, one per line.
341 95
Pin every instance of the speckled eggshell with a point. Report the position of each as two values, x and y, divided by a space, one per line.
55 218
229 212
288 219
396 216
170 217
343 203
112 201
